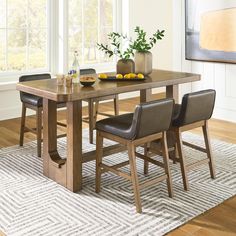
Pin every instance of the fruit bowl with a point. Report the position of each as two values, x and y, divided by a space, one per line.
87 81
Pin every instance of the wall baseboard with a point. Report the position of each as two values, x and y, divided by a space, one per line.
225 114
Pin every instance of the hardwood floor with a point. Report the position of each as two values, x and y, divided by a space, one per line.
219 221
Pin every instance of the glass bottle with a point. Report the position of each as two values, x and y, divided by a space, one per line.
75 69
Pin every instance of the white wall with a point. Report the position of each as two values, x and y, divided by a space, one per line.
9 101
153 15
219 76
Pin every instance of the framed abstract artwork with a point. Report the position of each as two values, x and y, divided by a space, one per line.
210 30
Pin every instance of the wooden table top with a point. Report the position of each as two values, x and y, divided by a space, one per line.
50 90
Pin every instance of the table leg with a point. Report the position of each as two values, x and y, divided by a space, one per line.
53 164
145 95
74 146
67 172
172 91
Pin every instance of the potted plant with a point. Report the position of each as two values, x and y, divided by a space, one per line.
125 64
142 46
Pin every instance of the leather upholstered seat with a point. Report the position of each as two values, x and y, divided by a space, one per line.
118 125
148 119
29 98
35 103
149 122
93 110
195 111
32 100
195 107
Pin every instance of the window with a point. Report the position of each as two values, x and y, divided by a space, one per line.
89 23
23 35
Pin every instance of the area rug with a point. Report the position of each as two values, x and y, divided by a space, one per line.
31 204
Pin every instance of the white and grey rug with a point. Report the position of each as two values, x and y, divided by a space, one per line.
31 204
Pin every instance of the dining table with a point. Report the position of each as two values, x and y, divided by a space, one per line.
68 171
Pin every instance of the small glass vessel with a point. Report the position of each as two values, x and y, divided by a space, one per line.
75 69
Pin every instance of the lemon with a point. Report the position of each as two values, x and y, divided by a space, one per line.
119 76
140 76
132 76
102 76
127 76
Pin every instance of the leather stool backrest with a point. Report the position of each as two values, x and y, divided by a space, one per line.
197 106
25 78
87 71
152 117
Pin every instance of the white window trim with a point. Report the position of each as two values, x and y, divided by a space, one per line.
63 37
13 76
57 44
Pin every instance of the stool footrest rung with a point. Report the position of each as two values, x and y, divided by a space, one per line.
107 168
152 181
146 158
194 147
198 163
32 130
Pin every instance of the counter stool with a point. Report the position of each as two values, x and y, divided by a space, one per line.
149 122
93 104
195 111
34 103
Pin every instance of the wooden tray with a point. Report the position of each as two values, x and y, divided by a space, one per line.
113 78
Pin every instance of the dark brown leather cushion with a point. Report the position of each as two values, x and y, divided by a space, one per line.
148 118
118 125
87 71
195 107
177 108
30 98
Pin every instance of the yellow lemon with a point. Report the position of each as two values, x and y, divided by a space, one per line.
119 76
102 76
140 76
132 76
127 76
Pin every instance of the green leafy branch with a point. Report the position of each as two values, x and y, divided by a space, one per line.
141 44
116 47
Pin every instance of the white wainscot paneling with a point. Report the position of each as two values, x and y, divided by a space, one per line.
225 100
208 75
10 104
230 81
198 68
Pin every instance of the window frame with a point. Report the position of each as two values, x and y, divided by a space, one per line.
57 42
99 67
10 76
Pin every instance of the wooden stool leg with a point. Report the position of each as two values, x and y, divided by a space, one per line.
95 113
116 105
22 127
91 120
166 164
209 151
182 160
39 130
99 154
146 163
134 177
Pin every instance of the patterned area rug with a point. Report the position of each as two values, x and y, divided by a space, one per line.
32 205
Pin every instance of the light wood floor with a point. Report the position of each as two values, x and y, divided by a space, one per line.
219 221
